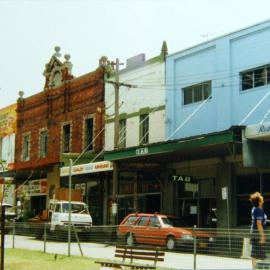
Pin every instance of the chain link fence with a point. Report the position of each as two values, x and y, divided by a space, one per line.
204 248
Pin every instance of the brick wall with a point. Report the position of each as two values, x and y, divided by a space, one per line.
71 102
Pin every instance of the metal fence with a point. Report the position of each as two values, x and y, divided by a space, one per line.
203 248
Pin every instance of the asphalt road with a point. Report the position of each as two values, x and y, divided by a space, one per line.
101 251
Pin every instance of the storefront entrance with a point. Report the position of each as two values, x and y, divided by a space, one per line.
196 205
138 192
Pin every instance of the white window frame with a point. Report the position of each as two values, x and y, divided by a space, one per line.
24 136
143 134
266 70
62 136
43 150
192 89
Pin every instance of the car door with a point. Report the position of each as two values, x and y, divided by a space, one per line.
155 232
141 230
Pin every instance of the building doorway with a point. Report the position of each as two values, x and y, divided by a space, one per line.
149 203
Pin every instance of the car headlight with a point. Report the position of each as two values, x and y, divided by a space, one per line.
187 237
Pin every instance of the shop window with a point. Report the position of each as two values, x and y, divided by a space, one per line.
196 93
126 182
125 207
122 133
66 138
247 184
43 143
148 182
144 129
243 210
255 78
188 189
89 131
265 183
26 147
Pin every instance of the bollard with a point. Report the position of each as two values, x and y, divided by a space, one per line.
194 247
13 234
45 238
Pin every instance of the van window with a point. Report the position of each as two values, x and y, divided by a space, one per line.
58 208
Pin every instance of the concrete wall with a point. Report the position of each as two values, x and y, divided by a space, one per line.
148 96
221 61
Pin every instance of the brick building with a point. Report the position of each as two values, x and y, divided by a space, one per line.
61 121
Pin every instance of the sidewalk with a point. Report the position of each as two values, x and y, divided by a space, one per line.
173 260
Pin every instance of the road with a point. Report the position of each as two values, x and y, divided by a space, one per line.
101 251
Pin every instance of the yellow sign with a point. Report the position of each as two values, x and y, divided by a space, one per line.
8 120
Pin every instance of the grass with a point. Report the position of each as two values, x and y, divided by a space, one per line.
21 259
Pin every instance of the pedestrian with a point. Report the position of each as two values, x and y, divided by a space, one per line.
258 225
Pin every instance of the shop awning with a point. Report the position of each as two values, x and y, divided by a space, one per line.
223 137
88 168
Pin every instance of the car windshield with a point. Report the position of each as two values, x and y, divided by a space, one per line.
75 208
173 222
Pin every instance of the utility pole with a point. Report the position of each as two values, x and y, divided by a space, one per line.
117 86
116 141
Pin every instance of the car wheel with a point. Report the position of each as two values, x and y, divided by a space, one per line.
170 243
130 239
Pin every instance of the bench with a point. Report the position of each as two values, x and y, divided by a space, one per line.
129 254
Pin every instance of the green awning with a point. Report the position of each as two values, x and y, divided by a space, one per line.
217 138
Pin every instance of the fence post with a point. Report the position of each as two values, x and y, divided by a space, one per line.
194 248
45 237
13 234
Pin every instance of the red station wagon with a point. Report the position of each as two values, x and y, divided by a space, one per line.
159 229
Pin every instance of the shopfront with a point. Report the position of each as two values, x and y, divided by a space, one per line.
33 197
139 191
196 200
93 179
202 167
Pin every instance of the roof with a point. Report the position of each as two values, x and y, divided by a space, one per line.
266 22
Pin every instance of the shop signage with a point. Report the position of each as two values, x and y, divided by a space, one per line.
181 178
141 151
258 131
8 190
88 168
37 187
8 120
224 193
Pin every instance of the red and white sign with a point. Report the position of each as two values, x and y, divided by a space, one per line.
88 168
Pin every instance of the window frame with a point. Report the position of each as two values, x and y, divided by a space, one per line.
24 150
144 129
90 148
43 145
191 90
63 141
122 133
266 77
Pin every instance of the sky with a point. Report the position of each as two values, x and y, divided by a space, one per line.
87 30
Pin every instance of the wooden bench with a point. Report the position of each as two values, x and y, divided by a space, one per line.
130 254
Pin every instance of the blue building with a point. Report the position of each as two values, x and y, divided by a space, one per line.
217 99
219 83
211 88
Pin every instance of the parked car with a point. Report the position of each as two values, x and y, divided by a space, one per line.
160 229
